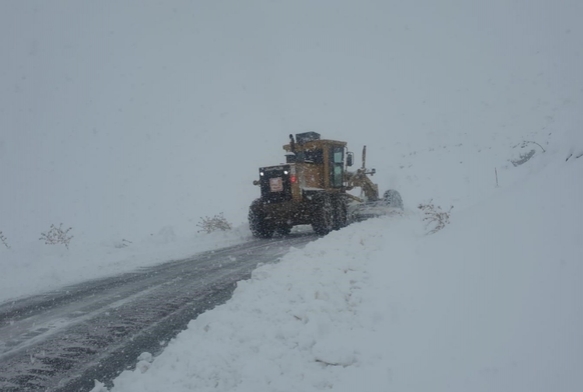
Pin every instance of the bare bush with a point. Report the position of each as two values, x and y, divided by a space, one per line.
527 155
435 218
122 244
217 222
4 240
579 155
56 235
527 142
523 158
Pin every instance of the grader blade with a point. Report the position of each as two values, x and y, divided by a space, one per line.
390 204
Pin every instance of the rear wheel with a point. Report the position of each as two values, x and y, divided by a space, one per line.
259 225
322 215
283 230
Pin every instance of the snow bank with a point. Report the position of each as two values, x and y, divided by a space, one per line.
299 325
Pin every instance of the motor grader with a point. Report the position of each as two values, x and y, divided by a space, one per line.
311 188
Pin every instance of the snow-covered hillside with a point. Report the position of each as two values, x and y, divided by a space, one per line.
130 121
493 302
119 119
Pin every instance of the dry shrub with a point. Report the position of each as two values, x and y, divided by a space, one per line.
56 236
4 240
217 222
435 218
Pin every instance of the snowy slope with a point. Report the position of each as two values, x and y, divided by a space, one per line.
492 302
118 118
130 121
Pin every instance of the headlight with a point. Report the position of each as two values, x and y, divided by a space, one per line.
285 172
261 173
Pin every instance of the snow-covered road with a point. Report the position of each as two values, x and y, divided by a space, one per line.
63 340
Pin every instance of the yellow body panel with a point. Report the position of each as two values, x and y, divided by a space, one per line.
313 175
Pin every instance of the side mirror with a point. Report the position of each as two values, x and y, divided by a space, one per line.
349 159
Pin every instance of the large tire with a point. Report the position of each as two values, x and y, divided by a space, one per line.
259 226
340 217
323 214
283 230
393 199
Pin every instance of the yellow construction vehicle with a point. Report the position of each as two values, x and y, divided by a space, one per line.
311 188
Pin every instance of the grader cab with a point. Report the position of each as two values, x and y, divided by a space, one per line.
310 188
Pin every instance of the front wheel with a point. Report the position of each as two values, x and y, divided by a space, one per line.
258 224
322 218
